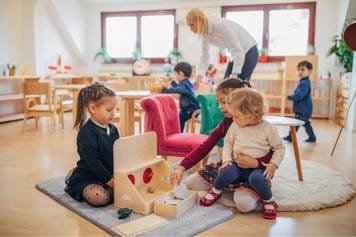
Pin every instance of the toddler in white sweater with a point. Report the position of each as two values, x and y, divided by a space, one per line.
250 135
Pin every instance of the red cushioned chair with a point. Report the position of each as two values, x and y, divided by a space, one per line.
161 116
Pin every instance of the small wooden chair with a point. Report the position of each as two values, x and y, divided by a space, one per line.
33 93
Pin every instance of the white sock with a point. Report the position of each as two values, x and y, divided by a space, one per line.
217 191
269 200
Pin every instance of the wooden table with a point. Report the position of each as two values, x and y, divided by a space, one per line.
292 123
60 79
127 110
74 89
142 82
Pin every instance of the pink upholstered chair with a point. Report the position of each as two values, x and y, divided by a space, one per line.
161 116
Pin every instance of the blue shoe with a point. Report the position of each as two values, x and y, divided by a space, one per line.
287 138
310 140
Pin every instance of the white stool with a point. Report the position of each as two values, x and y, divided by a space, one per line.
292 123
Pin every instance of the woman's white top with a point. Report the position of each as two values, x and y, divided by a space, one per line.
255 141
225 33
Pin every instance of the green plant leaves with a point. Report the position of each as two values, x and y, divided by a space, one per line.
343 53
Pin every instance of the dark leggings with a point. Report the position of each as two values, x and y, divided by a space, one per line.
251 59
254 177
184 116
98 195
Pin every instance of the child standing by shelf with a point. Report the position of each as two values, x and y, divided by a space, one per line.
302 101
187 101
92 179
250 135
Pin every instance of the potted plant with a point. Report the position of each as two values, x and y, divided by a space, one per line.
342 52
222 55
263 55
103 53
175 55
310 49
12 69
136 54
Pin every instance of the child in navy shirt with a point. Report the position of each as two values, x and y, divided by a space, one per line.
302 102
187 101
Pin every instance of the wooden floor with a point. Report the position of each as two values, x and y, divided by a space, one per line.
36 155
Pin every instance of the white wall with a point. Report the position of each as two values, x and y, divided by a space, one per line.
33 32
73 15
17 36
58 32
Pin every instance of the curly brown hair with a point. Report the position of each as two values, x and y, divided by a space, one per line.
248 101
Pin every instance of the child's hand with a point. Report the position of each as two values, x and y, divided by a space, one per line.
270 170
176 175
110 183
225 164
245 161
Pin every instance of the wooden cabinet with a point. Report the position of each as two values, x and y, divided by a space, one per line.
11 98
279 81
276 91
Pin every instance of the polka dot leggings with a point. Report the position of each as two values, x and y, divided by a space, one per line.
98 195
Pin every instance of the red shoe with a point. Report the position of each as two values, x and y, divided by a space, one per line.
208 202
269 210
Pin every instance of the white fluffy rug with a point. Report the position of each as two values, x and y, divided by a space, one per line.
322 187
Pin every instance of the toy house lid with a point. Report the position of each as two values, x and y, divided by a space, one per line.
135 151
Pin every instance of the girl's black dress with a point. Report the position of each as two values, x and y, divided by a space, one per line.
95 165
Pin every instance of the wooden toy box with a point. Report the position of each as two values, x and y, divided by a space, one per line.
173 211
139 176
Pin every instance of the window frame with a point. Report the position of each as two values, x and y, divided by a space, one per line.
138 15
266 8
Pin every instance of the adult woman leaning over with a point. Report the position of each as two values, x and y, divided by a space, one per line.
224 33
244 197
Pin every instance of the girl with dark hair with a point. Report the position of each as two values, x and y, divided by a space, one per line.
92 179
245 199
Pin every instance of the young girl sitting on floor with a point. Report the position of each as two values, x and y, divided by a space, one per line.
250 135
92 180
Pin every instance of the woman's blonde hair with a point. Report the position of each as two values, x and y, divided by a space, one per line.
248 101
197 16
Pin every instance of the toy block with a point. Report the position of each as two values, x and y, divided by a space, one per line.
139 176
168 206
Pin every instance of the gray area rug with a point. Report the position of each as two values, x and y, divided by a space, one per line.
195 220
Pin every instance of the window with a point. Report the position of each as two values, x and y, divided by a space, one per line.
252 21
282 29
124 32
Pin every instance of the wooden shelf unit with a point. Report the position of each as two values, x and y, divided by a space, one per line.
11 103
277 86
